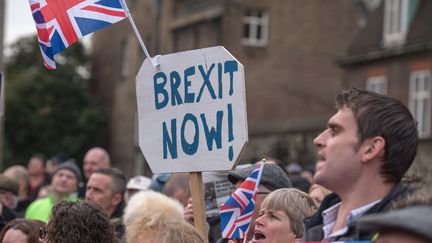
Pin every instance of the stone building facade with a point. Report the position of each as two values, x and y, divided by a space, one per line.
288 49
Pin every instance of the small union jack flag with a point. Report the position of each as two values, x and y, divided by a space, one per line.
60 23
236 212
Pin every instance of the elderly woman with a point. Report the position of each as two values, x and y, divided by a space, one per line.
281 216
153 217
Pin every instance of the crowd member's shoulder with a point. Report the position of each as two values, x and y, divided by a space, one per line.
418 196
313 225
411 215
409 188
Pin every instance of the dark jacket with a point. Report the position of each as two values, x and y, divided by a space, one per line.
314 224
6 215
117 220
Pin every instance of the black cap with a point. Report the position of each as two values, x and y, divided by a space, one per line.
273 177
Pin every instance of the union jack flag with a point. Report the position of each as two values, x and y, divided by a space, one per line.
60 23
236 212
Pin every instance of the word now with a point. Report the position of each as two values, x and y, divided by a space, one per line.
160 81
212 134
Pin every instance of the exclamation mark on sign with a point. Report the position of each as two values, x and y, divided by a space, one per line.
230 132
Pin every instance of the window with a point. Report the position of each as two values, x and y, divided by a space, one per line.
420 100
395 21
255 28
377 84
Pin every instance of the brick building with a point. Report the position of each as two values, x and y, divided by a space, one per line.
288 50
392 54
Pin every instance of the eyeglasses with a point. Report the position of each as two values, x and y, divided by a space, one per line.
42 233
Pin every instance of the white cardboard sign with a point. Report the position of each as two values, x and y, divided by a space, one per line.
192 111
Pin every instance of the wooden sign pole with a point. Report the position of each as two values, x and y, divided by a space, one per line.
197 189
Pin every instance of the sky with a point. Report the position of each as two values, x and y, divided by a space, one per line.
19 21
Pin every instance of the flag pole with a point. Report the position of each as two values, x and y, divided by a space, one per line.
256 189
154 60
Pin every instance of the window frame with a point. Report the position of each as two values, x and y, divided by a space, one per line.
395 16
253 22
421 100
376 81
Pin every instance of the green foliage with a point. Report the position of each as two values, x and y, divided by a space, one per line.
48 112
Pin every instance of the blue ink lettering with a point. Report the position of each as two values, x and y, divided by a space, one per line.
189 97
189 148
231 67
212 134
170 144
206 82
175 81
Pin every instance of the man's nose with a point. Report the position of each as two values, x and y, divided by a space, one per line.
319 141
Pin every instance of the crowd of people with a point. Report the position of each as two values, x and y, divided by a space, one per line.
356 191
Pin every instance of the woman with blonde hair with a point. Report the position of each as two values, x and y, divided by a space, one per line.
153 217
281 216
318 193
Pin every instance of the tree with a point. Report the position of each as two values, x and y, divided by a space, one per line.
48 112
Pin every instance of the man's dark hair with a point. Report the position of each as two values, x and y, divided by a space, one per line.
118 184
380 115
80 221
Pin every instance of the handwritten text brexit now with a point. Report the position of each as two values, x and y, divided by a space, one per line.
174 89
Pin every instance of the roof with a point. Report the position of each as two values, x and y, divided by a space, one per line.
368 44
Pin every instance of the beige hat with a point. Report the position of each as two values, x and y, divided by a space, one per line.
139 183
9 184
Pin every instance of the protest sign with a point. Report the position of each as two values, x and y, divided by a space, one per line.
192 116
192 111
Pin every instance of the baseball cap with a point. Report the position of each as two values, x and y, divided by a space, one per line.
415 219
273 177
9 184
139 183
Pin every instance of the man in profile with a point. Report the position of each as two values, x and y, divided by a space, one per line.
106 188
368 146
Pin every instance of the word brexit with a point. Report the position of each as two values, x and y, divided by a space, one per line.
160 82
185 130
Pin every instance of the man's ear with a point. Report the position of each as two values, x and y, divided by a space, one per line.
373 148
116 200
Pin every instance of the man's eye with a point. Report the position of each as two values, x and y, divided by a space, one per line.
333 132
